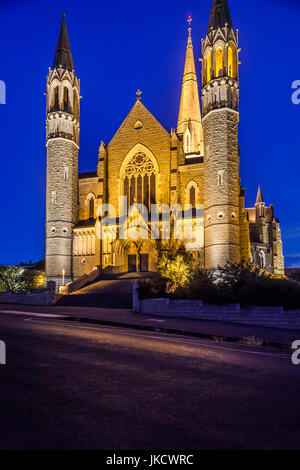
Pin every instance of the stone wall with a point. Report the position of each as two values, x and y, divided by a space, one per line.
47 297
221 188
275 317
87 186
188 173
61 206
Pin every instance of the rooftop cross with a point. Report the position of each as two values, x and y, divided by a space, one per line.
138 94
190 30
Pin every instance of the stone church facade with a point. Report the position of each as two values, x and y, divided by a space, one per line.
195 167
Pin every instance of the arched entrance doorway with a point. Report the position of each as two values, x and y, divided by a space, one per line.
136 255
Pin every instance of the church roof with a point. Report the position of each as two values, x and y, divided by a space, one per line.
86 223
88 174
220 15
63 55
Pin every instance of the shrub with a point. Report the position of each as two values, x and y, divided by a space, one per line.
152 288
18 279
174 264
253 286
203 287
34 279
244 283
12 279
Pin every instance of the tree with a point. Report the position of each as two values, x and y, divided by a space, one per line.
174 264
12 279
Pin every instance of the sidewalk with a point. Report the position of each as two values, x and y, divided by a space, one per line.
272 337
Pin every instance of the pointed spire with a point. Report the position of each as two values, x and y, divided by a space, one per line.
174 138
63 54
220 15
259 197
102 147
189 110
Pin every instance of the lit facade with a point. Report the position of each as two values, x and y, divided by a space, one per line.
196 165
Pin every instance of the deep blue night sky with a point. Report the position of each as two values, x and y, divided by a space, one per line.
119 47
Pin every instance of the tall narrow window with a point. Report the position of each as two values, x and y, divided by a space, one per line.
132 191
146 191
139 189
193 196
220 178
53 198
55 102
66 100
91 208
75 105
152 189
208 68
219 62
232 62
126 189
261 211
66 173
187 142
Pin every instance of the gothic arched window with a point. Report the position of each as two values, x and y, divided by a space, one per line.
208 68
66 100
187 141
139 181
219 62
192 196
232 62
75 105
91 208
55 100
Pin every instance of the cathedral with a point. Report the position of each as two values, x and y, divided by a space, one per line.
195 166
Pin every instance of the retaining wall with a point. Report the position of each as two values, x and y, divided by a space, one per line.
275 317
48 297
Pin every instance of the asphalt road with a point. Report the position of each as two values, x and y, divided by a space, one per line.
70 386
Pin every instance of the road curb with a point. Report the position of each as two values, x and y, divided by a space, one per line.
181 332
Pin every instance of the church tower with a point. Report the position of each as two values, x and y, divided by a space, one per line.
220 108
189 118
62 127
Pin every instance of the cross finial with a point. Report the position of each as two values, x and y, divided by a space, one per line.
138 94
190 30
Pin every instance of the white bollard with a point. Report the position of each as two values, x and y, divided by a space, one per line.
2 352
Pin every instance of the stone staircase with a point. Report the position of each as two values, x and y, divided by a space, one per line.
109 291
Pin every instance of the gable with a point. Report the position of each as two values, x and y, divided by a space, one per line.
138 124
139 130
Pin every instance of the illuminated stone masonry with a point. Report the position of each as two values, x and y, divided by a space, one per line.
194 170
